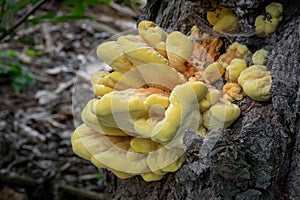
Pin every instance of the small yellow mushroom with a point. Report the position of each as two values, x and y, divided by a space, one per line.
213 72
222 19
256 82
235 50
220 115
259 57
275 10
179 50
226 24
233 90
214 16
234 69
265 25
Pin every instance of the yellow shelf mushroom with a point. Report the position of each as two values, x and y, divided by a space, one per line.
161 87
256 82
265 25
154 36
220 115
179 50
222 19
233 91
213 72
259 57
234 69
235 50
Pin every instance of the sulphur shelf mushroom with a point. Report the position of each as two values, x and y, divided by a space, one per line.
158 90
256 82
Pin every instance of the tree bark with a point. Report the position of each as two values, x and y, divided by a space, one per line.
258 157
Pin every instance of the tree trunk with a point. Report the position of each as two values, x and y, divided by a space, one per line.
258 157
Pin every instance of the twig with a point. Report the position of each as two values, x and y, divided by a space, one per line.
102 27
18 180
48 40
83 194
23 19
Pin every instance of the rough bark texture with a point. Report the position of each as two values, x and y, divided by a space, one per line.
258 157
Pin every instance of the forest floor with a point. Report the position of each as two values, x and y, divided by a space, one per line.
37 161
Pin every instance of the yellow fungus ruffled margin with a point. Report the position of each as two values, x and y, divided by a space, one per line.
159 88
222 19
265 25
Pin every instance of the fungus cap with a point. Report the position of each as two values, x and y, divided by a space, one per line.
154 36
183 101
259 57
100 149
179 50
213 72
111 53
222 19
233 90
274 9
234 69
256 82
235 50
220 115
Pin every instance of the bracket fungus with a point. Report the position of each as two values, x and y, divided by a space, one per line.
256 82
222 19
235 50
260 57
265 25
161 86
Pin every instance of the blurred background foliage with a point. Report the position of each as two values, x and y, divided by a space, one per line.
16 13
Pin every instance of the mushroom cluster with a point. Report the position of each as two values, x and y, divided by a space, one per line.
158 89
222 18
267 24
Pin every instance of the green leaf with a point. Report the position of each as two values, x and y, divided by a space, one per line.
32 52
107 2
7 54
78 9
44 18
11 4
20 77
27 42
15 69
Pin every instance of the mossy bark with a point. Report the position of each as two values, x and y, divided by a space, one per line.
258 157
